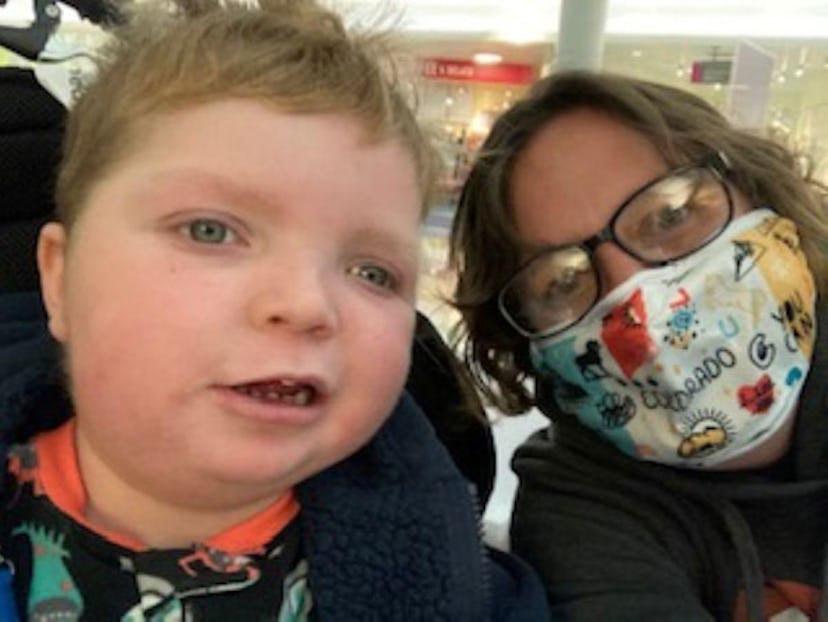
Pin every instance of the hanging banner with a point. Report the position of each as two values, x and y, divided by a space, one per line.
467 71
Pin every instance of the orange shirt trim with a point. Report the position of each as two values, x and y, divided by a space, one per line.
61 480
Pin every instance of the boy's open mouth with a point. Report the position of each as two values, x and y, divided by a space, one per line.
290 392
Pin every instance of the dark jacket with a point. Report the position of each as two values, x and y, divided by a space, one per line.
621 539
390 533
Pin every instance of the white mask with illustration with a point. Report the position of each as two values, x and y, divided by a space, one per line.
697 362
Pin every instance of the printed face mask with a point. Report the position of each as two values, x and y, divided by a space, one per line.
697 362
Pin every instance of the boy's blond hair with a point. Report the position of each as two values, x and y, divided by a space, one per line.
292 54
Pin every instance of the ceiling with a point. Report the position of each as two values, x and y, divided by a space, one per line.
525 31
533 21
668 33
537 20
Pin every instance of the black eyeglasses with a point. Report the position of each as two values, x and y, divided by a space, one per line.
661 222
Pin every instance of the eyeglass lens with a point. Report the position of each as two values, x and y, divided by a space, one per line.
666 220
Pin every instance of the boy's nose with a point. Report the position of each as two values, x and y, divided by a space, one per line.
614 266
300 301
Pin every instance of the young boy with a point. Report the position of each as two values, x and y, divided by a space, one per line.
232 281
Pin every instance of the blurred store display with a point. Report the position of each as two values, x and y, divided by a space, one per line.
468 60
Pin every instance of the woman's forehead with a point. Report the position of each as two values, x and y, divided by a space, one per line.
575 172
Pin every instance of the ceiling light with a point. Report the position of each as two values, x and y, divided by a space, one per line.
481 123
487 58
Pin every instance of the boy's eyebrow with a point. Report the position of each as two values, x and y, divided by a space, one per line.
407 247
201 181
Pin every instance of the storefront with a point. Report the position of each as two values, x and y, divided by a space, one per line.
459 101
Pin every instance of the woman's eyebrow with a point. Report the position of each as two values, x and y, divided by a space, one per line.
529 249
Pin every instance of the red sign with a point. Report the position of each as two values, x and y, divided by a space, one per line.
711 71
467 71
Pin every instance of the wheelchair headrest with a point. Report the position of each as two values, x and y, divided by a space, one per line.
29 41
31 126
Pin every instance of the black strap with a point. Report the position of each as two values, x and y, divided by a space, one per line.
29 42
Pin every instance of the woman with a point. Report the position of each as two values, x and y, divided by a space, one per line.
654 272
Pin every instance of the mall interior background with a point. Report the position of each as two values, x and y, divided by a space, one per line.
691 44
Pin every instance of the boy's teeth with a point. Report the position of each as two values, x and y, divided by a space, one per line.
300 397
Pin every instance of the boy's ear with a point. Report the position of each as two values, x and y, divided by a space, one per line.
51 246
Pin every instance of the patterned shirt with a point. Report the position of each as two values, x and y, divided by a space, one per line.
65 568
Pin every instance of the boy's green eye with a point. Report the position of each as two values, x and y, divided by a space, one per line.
208 231
375 275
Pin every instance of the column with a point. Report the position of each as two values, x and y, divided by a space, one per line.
581 34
